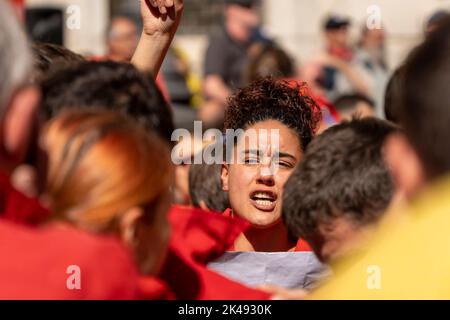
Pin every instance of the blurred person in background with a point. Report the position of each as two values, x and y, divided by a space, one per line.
205 187
435 21
185 151
269 60
370 54
335 72
351 106
227 56
122 39
183 86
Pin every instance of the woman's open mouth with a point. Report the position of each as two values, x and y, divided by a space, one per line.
263 200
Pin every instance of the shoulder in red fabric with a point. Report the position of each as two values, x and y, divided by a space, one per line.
16 207
199 237
154 289
203 235
66 264
302 245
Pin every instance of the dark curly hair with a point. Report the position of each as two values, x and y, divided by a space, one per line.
342 174
111 85
271 99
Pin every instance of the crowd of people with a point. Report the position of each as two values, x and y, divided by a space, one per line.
334 203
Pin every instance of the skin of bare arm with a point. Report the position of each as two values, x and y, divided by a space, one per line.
161 19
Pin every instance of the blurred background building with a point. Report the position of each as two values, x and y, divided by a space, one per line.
294 23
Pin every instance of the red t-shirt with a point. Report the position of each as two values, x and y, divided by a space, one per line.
16 207
199 237
302 245
63 264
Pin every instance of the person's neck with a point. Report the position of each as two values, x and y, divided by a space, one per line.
272 239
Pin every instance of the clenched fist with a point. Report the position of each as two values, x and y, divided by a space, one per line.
161 16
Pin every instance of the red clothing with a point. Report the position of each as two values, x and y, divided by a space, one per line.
302 245
35 264
154 289
321 101
16 207
345 54
199 237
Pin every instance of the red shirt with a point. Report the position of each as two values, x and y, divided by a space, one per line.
302 245
151 288
16 207
36 264
199 237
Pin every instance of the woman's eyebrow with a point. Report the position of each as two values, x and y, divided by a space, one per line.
286 155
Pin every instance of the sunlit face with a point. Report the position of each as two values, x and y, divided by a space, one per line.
255 182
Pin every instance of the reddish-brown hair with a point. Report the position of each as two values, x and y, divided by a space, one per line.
102 164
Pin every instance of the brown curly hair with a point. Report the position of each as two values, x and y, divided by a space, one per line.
272 99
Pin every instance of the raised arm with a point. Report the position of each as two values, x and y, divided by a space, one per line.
161 19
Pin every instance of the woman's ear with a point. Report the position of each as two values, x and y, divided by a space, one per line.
128 223
224 177
405 165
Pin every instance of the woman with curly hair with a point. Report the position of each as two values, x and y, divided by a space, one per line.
284 119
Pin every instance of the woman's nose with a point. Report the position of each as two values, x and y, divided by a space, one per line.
265 175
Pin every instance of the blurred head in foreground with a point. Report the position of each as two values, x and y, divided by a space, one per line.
122 39
420 156
109 176
356 105
109 86
341 187
49 56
